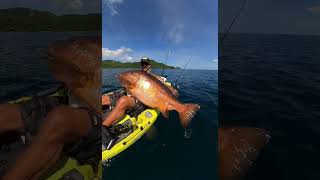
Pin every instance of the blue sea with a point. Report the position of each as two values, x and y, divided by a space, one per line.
24 69
273 82
164 152
266 81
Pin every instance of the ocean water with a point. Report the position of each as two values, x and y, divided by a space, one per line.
266 81
24 69
164 152
273 82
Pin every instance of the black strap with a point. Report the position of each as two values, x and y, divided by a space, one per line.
96 118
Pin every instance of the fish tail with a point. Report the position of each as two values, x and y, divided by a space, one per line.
187 113
238 149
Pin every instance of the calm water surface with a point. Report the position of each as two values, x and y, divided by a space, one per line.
24 68
273 82
164 153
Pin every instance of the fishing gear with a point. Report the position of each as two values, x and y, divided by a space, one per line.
165 63
244 2
175 84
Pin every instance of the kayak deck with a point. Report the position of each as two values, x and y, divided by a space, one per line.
66 167
140 126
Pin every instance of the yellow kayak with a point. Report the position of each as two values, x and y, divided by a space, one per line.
72 169
138 127
66 167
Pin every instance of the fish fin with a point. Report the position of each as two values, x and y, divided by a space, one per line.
165 113
174 91
188 112
238 148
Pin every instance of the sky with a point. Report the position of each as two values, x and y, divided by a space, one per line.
188 28
272 16
182 29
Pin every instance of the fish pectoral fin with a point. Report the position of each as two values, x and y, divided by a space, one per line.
165 113
131 86
170 107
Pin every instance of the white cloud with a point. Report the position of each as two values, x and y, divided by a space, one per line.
123 54
112 5
314 9
115 1
129 58
116 53
175 23
176 33
215 60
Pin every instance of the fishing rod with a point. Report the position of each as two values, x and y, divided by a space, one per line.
181 74
244 2
165 63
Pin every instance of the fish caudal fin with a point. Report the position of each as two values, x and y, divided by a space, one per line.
187 113
238 148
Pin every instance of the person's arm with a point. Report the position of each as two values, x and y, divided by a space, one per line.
105 100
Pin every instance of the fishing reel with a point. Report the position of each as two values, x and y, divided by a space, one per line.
176 86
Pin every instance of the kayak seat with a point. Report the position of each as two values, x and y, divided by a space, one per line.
111 136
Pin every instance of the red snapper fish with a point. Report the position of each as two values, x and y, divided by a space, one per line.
77 63
153 93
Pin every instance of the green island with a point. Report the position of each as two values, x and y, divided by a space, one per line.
109 64
29 20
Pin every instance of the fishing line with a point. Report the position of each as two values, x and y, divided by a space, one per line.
187 133
184 68
165 63
244 2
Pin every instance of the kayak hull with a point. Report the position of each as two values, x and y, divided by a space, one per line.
140 126
67 167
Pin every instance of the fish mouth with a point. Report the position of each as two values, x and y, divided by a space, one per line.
51 50
121 77
57 51
52 53
124 81
56 55
51 58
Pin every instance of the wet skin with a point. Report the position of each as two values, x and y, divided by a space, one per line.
63 124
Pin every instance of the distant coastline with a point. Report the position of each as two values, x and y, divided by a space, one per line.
29 20
110 64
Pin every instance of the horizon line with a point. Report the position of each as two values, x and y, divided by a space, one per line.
271 33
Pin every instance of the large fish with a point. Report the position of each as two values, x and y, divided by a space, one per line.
238 148
77 63
153 93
